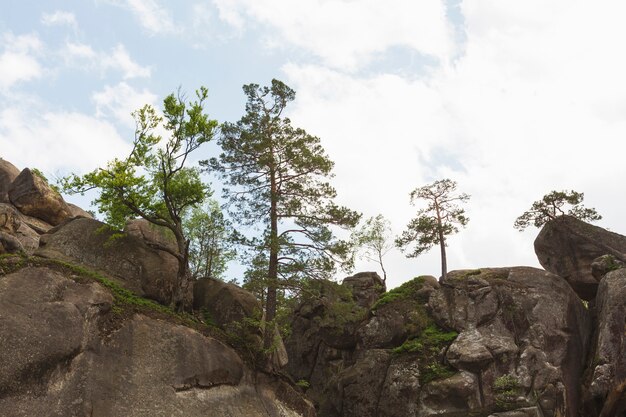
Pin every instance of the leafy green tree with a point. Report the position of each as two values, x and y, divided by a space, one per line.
433 223
276 180
153 182
373 240
210 245
553 205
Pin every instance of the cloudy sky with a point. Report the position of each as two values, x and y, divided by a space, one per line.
509 98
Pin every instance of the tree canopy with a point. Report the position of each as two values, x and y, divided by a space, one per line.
373 240
437 220
154 182
276 179
554 204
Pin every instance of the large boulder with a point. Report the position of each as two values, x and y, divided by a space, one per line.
225 303
60 358
127 259
523 334
568 247
366 287
8 173
151 233
32 195
608 369
15 233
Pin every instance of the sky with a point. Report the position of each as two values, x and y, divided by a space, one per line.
511 99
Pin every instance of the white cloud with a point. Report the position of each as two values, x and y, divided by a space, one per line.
534 104
19 59
120 101
118 59
58 141
152 16
61 18
348 34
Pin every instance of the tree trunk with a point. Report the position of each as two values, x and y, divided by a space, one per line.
442 244
180 300
272 273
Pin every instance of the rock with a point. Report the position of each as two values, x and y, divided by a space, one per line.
10 244
8 173
567 247
79 212
33 197
609 352
391 324
456 395
366 287
603 265
518 324
151 233
357 388
63 362
127 259
401 388
13 226
225 303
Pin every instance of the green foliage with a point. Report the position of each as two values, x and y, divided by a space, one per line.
434 371
373 240
210 244
153 182
506 389
303 383
41 175
553 205
408 290
436 221
276 179
432 339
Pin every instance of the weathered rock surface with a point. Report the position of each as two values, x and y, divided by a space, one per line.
79 212
34 197
151 233
145 271
567 247
58 360
608 367
366 287
8 173
15 232
522 341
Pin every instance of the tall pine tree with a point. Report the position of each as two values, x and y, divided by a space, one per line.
276 177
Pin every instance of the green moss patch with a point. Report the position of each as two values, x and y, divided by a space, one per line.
125 302
407 291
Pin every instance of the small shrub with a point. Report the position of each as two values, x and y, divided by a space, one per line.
303 383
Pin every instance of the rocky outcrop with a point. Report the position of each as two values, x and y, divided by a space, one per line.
32 195
366 287
139 268
15 234
8 172
608 365
568 247
151 233
69 349
481 342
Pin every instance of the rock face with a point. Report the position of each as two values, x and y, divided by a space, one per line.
34 197
151 233
8 172
567 247
366 287
61 359
145 271
608 368
481 342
